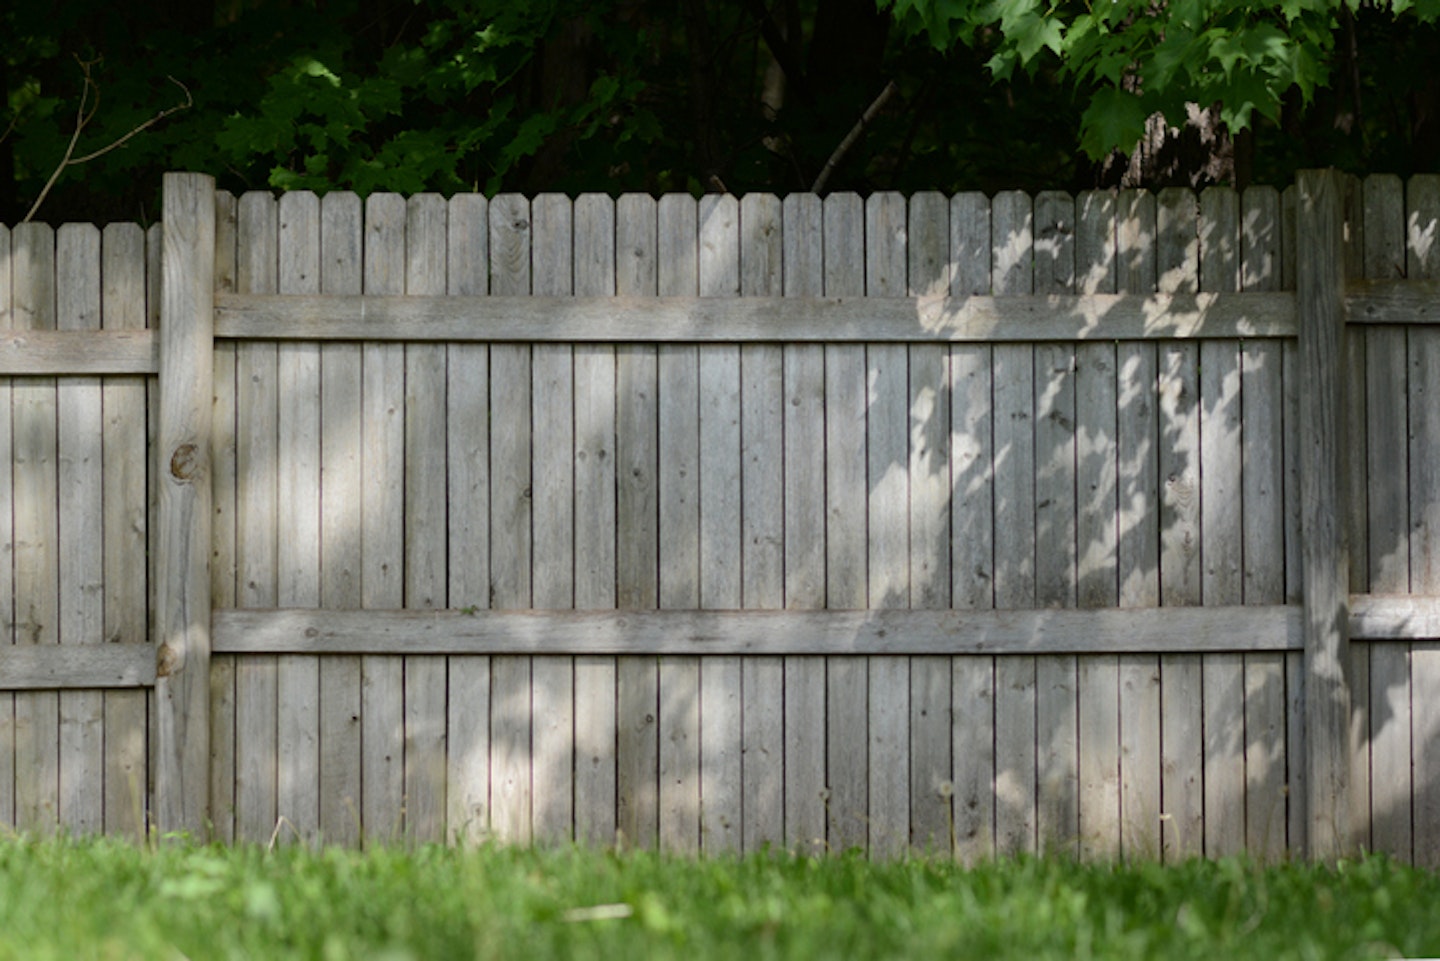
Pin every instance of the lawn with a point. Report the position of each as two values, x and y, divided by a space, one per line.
97 899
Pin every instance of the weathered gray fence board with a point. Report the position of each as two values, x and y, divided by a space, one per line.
341 445
381 528
125 533
803 428
1423 262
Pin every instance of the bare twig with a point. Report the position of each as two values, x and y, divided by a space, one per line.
82 120
852 136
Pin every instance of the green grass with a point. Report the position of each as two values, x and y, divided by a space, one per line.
96 899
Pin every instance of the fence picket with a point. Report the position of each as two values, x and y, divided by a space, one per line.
1423 262
382 519
972 513
804 499
1138 549
224 572
256 695
7 549
720 528
762 533
341 444
552 474
426 581
1012 226
928 465
595 528
1056 561
679 499
1263 535
887 534
511 745
298 516
1097 536
637 562
846 491
1221 531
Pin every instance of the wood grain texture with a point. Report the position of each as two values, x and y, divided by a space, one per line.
833 318
126 533
182 621
804 524
36 532
79 426
1327 698
382 518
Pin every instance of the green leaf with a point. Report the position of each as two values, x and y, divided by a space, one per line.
1115 120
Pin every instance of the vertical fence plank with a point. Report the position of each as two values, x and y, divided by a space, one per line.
1352 351
382 519
931 768
762 536
1387 547
679 490
511 715
298 517
1221 532
1320 281
341 272
804 499
7 549
256 533
79 425
553 477
721 523
1423 262
223 559
847 678
1263 534
467 463
426 525
887 536
1097 535
595 528
1056 560
1296 815
37 733
972 518
1012 227
1137 433
125 533
182 615
1182 747
637 563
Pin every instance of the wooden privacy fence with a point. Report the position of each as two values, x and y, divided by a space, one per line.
973 525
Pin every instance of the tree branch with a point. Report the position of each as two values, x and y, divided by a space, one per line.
852 136
82 120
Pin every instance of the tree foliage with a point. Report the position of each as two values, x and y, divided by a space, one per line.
1134 58
743 95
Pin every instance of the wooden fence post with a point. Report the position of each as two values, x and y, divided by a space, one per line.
182 618
1320 280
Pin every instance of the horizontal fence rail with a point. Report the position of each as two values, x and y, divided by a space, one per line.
962 524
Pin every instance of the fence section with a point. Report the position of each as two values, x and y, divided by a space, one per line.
1009 564
73 531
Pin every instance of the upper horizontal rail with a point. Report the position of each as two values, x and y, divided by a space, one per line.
756 319
719 320
78 352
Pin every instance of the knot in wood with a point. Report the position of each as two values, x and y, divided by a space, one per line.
184 463
166 661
